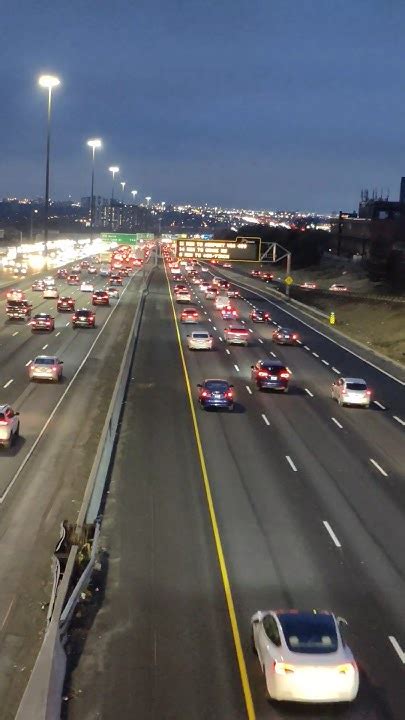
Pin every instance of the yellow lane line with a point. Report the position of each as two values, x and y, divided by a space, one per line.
218 543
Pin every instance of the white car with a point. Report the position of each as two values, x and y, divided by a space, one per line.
204 269
104 271
183 296
112 292
200 340
351 391
304 657
233 293
338 288
49 281
45 367
221 302
9 425
87 287
50 292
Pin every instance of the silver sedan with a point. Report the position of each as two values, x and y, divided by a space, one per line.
45 367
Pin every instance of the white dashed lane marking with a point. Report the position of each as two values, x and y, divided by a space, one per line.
57 334
228 352
315 354
260 341
395 644
337 423
8 383
335 370
15 333
379 468
248 389
306 347
45 346
399 420
309 392
236 368
265 419
331 533
290 462
28 363
325 362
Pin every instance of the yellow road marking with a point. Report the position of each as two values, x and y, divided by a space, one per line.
218 543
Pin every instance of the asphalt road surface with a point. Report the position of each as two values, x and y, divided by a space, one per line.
309 500
57 445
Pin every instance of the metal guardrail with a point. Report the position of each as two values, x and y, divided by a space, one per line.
42 698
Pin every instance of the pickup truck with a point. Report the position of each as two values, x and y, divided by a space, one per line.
236 335
18 309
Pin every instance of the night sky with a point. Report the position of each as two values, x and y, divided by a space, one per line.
294 104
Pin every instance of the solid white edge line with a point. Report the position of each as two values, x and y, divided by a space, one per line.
309 392
290 462
395 644
248 389
399 420
379 468
331 533
265 419
51 416
337 423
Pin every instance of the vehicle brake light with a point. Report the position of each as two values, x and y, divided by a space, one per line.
262 373
229 394
54 367
285 375
205 393
368 392
3 422
282 668
295 337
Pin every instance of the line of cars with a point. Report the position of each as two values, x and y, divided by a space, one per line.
304 655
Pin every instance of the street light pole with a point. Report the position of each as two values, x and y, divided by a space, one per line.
113 169
123 183
134 194
96 143
48 82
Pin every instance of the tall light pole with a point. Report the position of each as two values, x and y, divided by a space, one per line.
94 144
134 194
123 183
48 82
113 169
148 199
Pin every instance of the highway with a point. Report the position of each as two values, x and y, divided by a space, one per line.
309 503
43 476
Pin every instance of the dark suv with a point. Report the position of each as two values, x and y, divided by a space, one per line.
83 318
271 375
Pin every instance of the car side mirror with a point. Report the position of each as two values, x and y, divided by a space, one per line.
199 385
342 621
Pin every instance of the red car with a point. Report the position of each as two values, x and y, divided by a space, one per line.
101 297
73 279
65 304
229 313
42 321
255 273
189 315
61 273
266 276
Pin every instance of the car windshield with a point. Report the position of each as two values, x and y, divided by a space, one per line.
83 312
41 316
44 361
356 386
309 632
216 385
286 331
200 336
272 368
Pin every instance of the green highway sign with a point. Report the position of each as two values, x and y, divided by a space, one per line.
126 238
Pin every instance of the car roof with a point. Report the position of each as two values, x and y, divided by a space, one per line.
285 329
44 357
235 328
200 332
42 315
210 380
273 363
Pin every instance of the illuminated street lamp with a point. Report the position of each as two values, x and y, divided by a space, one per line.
148 199
113 169
123 183
94 144
134 194
48 82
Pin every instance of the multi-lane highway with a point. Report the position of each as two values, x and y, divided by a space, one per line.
307 511
42 477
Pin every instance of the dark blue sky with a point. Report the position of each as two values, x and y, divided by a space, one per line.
292 104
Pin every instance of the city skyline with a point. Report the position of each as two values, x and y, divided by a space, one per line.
291 122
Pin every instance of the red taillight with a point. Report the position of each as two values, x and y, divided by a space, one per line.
262 373
285 375
3 422
54 367
74 317
48 322
229 394
294 337
368 392
195 314
205 393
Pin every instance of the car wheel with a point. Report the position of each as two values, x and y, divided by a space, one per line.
17 432
7 444
252 643
286 389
